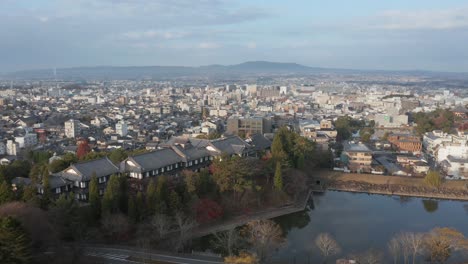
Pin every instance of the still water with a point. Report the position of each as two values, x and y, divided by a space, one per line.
361 221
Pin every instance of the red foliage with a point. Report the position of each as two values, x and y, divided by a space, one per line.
83 149
208 210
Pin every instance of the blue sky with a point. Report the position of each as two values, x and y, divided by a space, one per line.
359 34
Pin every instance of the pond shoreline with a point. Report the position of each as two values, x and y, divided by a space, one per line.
406 194
389 185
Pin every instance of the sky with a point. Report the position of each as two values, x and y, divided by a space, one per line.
357 34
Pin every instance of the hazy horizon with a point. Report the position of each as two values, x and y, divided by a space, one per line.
368 35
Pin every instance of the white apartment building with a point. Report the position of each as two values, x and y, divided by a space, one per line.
12 148
121 128
72 128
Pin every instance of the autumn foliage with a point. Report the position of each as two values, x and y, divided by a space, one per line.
207 211
83 149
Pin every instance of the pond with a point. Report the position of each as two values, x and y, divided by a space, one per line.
359 222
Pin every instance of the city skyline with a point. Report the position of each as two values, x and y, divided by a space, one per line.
421 35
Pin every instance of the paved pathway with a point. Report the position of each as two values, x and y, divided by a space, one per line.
112 254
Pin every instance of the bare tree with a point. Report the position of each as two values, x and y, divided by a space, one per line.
227 241
371 256
394 248
416 242
405 246
327 245
161 224
264 236
185 224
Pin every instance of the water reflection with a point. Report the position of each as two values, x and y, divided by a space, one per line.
297 220
430 205
359 222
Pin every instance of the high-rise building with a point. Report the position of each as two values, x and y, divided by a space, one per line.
72 128
121 128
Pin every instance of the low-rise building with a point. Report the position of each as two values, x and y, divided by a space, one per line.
357 156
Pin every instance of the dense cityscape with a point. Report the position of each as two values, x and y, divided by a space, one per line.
233 132
211 155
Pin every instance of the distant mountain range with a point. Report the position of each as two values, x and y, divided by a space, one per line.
167 72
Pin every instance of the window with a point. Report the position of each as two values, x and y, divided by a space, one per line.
58 190
83 184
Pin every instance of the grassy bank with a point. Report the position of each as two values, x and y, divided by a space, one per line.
391 185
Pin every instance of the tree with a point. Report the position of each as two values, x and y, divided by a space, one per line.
242 258
278 180
162 195
117 155
227 242
371 256
151 197
15 246
66 218
264 237
94 199
439 244
233 175
414 242
433 179
83 149
112 196
30 195
161 224
132 210
116 226
277 149
185 224
140 206
46 194
327 245
62 163
175 203
207 210
394 248
6 193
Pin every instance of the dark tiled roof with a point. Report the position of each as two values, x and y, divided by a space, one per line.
102 167
157 159
260 142
231 145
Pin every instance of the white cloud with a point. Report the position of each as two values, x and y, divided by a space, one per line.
251 45
153 34
209 45
43 19
421 20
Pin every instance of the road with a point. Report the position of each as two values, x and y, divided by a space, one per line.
135 255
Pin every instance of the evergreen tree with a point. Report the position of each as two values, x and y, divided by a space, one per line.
112 196
30 195
117 155
162 189
6 194
277 149
175 203
94 199
140 205
132 210
123 206
278 179
300 161
15 245
151 197
46 195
